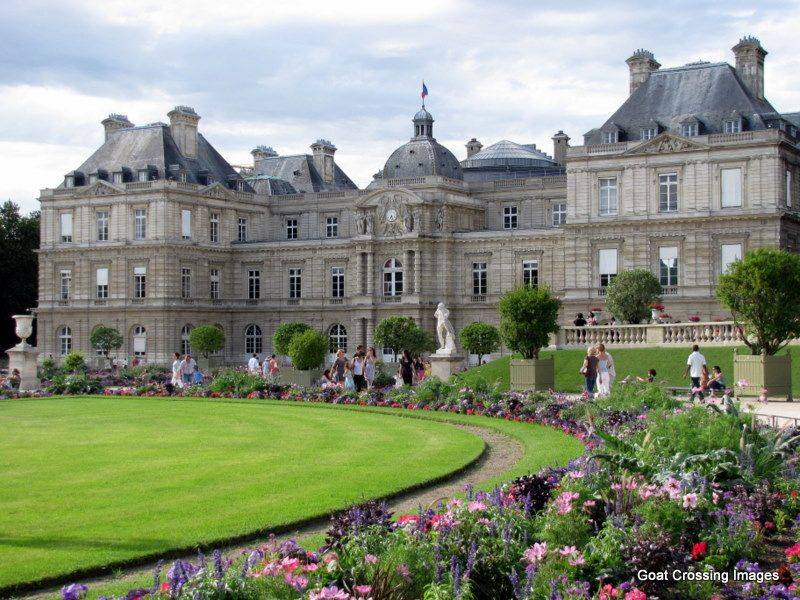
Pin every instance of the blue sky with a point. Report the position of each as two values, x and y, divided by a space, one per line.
286 73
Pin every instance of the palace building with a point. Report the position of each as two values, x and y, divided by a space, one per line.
156 233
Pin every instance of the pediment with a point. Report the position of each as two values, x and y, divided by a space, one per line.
666 143
100 188
388 213
381 197
217 190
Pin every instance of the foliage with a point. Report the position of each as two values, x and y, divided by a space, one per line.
284 334
762 292
403 333
308 350
74 383
239 383
49 368
527 318
206 339
630 294
480 338
106 339
382 379
73 362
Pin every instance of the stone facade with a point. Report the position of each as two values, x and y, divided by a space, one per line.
205 238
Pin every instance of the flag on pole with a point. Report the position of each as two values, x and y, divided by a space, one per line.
424 92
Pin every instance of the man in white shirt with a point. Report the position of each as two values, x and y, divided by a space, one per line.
188 367
695 366
252 364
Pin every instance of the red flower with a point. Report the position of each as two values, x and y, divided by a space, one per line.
165 587
699 550
793 552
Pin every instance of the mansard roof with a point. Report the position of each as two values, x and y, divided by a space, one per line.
147 146
270 186
709 92
302 174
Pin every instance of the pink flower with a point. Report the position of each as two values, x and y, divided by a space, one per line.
310 567
404 571
673 488
690 501
577 560
329 593
589 503
567 550
564 502
714 497
371 559
362 590
298 582
535 553
290 564
576 474
475 506
636 594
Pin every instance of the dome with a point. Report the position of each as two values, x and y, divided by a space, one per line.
422 155
509 155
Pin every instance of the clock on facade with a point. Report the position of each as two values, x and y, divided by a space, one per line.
391 215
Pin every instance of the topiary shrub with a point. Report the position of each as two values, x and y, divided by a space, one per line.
527 318
308 350
480 338
630 294
284 334
49 369
403 333
74 362
206 339
106 339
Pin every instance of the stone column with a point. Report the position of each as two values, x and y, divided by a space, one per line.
370 274
358 334
370 322
417 271
359 287
407 279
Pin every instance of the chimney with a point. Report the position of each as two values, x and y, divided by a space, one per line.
115 122
323 159
641 64
259 154
750 64
473 147
560 145
183 126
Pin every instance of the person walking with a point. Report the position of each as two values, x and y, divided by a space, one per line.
606 373
252 364
370 361
338 365
273 366
589 370
358 371
695 366
407 368
177 380
188 366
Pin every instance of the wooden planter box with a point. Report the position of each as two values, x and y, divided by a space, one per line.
533 374
290 375
763 371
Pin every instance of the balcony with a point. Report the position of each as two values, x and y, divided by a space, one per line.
336 301
389 299
669 290
478 298
293 301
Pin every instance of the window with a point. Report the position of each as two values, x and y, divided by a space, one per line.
213 232
610 137
139 341
648 133
66 227
65 340
186 283
291 229
144 175
337 282
530 273
559 213
253 340
733 126
479 279
668 265
607 265
509 217
788 188
66 283
668 192
337 338
392 278
140 282
139 224
214 280
295 283
186 224
242 231
731 182
185 346
254 284
332 227
689 129
101 277
102 225
608 196
730 253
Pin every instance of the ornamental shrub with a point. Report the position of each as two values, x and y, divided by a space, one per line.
308 350
284 334
74 383
403 333
106 339
49 368
630 294
238 383
480 338
763 294
527 318
206 339
74 362
382 378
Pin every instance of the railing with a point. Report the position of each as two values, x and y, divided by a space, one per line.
716 138
632 335
336 301
669 290
478 298
391 298
723 333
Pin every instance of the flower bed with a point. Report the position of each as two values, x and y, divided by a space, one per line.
694 492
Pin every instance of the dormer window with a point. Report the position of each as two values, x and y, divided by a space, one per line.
124 175
648 133
69 181
733 125
100 174
690 129
73 179
610 137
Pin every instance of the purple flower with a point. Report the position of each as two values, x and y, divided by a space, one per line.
74 591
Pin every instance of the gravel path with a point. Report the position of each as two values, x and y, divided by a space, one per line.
501 453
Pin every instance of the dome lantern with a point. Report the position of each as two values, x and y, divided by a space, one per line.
423 124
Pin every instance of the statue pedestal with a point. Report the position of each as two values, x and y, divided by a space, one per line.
23 357
445 365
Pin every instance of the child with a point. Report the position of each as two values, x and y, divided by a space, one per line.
651 376
349 382
717 381
327 383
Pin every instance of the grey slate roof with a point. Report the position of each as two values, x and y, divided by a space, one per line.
508 155
301 173
420 157
137 148
270 186
710 92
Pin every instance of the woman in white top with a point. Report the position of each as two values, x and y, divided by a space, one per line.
605 371
177 379
369 366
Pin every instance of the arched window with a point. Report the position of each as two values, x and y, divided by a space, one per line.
65 340
185 348
252 340
392 278
337 338
139 341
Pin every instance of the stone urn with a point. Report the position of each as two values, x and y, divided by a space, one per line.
654 315
24 329
23 357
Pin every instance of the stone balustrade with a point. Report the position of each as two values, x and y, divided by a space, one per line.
722 333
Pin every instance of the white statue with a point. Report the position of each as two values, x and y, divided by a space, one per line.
445 331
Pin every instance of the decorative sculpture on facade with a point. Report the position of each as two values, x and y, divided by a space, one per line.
445 331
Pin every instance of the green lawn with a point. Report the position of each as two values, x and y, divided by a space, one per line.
91 481
668 362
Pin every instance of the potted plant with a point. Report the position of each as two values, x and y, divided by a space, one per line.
655 311
104 340
307 351
205 340
480 338
762 292
528 316
694 319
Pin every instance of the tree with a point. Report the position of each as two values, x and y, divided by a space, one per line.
763 294
630 294
106 339
283 336
308 350
403 333
527 318
480 338
206 339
